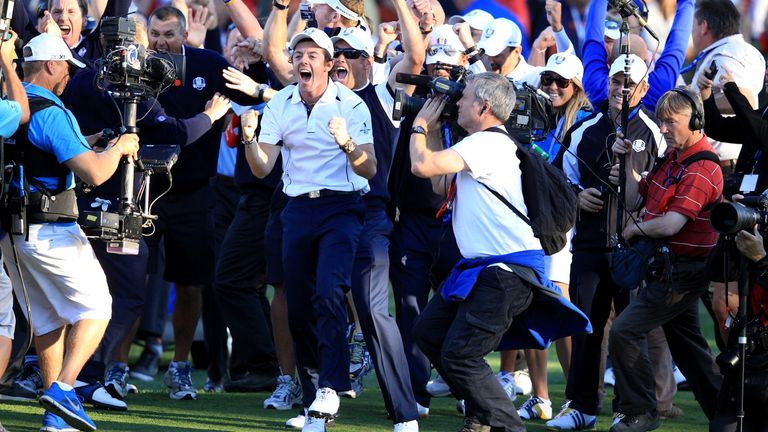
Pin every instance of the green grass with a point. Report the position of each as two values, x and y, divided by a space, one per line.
152 410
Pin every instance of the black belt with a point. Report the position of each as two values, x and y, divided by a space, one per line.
322 193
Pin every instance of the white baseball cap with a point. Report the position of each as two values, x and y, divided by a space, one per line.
499 34
44 47
478 19
317 36
566 65
338 7
612 29
357 38
444 46
638 70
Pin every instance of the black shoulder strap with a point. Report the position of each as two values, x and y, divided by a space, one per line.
35 158
508 204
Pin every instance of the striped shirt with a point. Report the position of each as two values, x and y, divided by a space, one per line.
685 189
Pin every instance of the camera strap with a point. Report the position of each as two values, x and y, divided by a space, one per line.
670 180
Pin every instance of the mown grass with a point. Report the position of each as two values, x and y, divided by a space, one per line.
152 410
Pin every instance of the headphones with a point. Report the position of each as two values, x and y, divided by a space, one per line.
697 116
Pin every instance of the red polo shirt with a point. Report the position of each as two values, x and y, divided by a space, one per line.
699 185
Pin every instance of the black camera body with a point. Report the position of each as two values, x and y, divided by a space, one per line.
730 218
451 88
121 232
128 68
529 120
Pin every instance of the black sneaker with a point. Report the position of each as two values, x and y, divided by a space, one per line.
637 423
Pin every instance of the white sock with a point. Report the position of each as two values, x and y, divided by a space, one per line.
64 386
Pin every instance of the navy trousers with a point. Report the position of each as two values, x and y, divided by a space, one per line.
239 288
422 254
370 292
319 240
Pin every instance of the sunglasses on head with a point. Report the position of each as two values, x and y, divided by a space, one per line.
444 48
548 79
349 53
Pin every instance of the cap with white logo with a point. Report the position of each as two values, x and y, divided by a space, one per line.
338 7
566 65
444 46
499 34
317 36
44 47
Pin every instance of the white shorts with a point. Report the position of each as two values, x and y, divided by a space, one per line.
558 266
63 279
7 319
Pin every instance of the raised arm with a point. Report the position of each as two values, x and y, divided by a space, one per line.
414 50
14 88
594 55
275 37
244 20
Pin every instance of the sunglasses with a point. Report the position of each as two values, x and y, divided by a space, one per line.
349 53
548 79
450 52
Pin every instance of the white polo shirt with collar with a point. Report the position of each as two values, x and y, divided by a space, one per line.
311 158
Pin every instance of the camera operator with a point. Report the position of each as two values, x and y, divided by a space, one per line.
678 196
493 285
65 284
14 111
752 247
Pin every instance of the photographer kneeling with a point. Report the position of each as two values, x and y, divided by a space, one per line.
752 247
503 263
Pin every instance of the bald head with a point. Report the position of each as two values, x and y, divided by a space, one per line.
637 47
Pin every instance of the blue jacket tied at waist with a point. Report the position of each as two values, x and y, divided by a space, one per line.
550 315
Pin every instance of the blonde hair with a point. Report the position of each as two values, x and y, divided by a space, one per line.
577 102
356 6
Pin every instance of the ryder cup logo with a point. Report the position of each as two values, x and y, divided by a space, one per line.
559 59
198 83
638 146
489 32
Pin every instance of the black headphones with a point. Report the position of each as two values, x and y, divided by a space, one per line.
697 111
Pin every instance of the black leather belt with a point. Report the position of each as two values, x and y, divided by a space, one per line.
322 193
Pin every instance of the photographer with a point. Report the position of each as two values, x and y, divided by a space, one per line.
503 261
65 284
751 247
14 111
678 196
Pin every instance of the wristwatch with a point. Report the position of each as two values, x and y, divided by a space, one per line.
418 130
348 147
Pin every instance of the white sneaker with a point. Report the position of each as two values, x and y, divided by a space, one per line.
523 384
609 378
325 405
115 380
313 424
507 381
298 421
356 390
410 426
460 407
536 408
178 378
617 417
423 411
438 387
571 419
286 395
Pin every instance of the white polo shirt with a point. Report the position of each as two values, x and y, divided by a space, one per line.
311 158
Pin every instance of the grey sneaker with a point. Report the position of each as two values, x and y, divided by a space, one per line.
29 379
146 366
212 386
471 424
356 391
359 358
116 380
178 378
286 395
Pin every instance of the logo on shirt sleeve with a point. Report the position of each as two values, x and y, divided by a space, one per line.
638 145
365 130
198 83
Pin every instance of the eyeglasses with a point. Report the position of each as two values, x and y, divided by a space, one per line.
548 79
349 53
447 49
